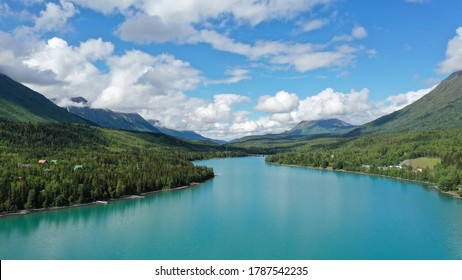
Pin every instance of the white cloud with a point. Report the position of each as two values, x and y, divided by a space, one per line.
197 21
282 102
309 61
329 104
242 11
218 111
236 74
71 65
139 81
185 14
143 28
54 17
399 101
313 25
108 6
358 32
354 107
303 57
453 61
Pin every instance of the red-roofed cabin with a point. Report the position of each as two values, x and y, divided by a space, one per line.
42 161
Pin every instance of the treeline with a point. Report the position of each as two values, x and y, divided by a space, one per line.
85 164
382 155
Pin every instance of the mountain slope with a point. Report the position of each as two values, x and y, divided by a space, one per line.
128 121
440 108
330 126
20 103
112 119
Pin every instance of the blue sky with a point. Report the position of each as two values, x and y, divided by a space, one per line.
232 68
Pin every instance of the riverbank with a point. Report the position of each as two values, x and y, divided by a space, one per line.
102 202
429 184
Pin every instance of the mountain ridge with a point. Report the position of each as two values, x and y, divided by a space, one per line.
20 103
129 121
323 126
440 108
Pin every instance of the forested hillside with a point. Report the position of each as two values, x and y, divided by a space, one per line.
440 108
20 103
82 164
439 155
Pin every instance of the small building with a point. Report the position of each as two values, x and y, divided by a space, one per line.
78 167
54 161
42 161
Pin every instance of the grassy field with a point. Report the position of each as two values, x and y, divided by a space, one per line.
424 162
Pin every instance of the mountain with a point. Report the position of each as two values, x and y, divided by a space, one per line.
183 134
112 119
20 103
304 130
330 126
128 121
440 108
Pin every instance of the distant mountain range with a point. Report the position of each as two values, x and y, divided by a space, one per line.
129 121
109 118
330 126
440 108
304 130
20 103
183 134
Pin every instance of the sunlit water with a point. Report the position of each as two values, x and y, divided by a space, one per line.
251 210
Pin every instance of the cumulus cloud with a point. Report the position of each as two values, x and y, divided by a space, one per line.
72 65
55 17
453 61
282 102
354 107
399 101
329 103
218 111
139 81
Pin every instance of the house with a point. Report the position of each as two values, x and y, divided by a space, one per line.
42 161
77 167
54 161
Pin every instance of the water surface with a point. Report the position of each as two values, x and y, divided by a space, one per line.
251 210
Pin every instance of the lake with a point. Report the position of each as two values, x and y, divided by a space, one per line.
251 210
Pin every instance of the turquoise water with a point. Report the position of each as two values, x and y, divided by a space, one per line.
251 210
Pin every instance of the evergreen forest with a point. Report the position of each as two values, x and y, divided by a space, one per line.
62 164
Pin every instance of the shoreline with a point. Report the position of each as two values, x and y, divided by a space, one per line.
101 202
429 185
